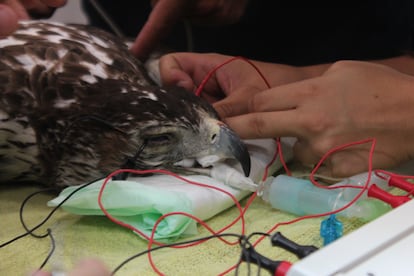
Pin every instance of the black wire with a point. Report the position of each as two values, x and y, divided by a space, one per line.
174 244
243 256
13 240
251 235
107 18
30 231
130 163
21 212
243 240
258 264
240 238
245 244
52 249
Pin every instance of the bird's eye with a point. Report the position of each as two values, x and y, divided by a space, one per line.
213 138
159 139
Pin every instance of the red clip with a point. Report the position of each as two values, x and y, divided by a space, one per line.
393 200
401 183
283 268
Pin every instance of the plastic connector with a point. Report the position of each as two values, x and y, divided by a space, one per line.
331 229
391 199
300 251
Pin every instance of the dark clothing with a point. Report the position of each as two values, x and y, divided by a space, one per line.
289 32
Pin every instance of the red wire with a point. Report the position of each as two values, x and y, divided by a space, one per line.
364 188
381 173
109 177
327 154
386 175
151 238
209 74
206 226
250 200
242 211
281 158
201 222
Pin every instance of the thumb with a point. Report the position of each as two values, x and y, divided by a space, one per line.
228 108
172 72
237 102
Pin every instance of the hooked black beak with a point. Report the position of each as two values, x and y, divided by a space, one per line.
230 145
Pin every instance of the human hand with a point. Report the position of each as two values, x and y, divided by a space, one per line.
88 267
350 102
11 11
166 13
233 83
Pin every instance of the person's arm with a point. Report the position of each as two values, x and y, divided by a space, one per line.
322 107
234 82
166 13
351 101
237 80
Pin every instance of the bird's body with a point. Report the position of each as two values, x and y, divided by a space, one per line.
75 104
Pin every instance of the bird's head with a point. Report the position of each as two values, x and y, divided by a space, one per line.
179 145
152 127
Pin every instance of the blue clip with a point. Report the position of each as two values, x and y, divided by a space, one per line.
331 229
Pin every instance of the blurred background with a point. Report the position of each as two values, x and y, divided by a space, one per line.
70 13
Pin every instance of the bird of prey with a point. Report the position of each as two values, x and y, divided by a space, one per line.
76 105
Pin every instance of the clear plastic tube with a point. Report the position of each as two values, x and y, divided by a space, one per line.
301 197
360 180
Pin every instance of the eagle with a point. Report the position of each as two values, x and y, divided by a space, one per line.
76 105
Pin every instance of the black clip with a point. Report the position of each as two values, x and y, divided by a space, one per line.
300 251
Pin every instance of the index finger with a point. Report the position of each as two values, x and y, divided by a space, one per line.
163 16
273 113
266 124
188 68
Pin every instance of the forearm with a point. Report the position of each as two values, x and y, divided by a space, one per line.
279 74
404 64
